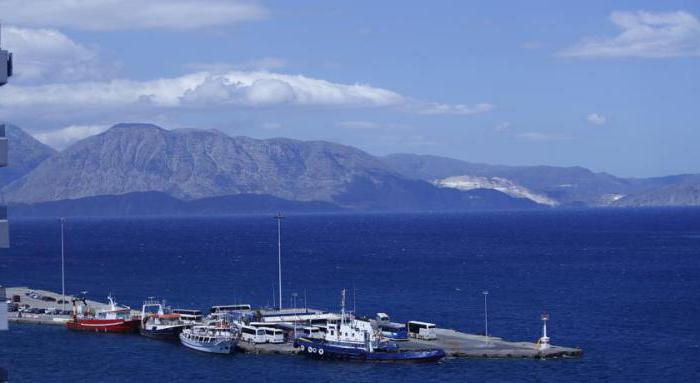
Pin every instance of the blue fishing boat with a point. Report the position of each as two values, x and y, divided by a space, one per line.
356 339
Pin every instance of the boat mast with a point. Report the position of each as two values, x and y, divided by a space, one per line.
63 271
342 307
279 218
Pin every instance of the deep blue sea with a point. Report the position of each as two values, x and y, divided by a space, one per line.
622 284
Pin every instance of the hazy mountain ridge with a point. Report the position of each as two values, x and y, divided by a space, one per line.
192 164
149 165
198 164
567 185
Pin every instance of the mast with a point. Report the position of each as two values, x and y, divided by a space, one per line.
279 218
342 307
63 270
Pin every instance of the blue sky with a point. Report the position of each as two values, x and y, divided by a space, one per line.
613 86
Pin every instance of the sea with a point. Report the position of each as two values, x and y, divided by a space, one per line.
624 285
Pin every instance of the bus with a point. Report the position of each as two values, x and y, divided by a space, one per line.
253 334
394 331
421 330
312 332
273 335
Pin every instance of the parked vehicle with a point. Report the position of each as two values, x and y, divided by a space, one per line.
421 330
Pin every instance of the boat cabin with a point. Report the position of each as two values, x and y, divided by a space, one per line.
188 316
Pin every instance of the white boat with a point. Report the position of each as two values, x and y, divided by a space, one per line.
214 339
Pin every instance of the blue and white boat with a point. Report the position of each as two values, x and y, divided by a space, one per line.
214 339
356 339
158 322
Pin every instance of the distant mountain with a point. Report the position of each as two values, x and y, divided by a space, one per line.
197 164
566 185
157 203
24 154
685 191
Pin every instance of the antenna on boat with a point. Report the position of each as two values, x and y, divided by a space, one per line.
279 218
63 271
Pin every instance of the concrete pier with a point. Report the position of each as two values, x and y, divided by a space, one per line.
456 344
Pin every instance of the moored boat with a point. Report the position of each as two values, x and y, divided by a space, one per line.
115 319
213 339
158 323
356 339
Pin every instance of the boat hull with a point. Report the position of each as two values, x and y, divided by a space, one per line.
120 326
218 347
167 333
324 350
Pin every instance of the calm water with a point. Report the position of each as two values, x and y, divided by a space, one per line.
622 284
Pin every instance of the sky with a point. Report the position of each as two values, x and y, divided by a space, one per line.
612 86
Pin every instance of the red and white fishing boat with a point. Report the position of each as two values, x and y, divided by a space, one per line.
115 319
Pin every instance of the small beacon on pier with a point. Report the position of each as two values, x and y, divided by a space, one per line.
544 340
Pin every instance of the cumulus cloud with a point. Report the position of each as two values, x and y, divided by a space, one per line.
49 55
596 119
62 138
101 15
644 34
198 89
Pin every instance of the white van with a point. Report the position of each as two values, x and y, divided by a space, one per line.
421 330
253 334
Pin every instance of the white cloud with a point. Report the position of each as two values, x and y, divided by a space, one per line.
103 15
62 138
200 89
49 55
87 102
544 136
596 119
435 108
645 34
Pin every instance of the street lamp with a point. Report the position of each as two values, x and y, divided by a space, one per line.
486 315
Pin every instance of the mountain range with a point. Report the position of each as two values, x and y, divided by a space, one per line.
143 169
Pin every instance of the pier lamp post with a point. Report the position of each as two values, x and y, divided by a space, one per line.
486 315
544 340
279 218
63 271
